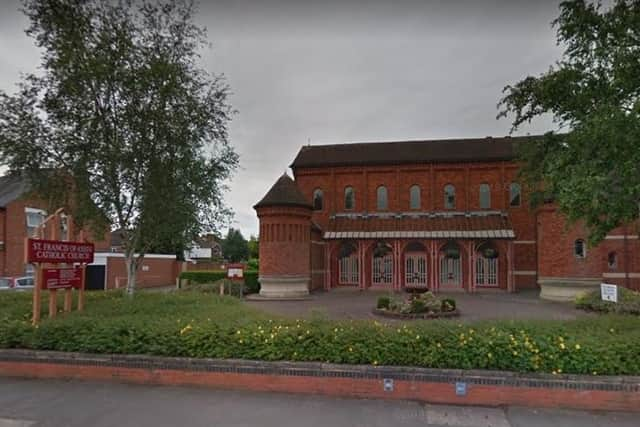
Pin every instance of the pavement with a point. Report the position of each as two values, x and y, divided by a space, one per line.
351 303
39 403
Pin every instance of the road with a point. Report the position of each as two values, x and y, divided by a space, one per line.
37 403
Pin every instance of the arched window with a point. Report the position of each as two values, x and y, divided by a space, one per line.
514 194
317 199
612 260
485 196
382 203
580 249
414 197
349 198
449 196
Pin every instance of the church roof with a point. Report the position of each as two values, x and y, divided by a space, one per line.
12 187
487 149
284 192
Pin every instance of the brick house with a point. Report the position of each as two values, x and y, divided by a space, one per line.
443 215
20 215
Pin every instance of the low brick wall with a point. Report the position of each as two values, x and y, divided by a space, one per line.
426 385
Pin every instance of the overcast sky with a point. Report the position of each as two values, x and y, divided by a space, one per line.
341 71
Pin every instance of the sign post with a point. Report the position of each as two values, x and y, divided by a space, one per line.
609 292
74 256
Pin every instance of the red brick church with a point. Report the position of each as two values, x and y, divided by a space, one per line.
444 215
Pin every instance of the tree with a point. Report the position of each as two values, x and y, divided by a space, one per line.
124 111
254 247
234 246
591 165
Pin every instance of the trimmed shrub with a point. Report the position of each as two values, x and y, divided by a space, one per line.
252 286
203 276
628 302
383 303
184 324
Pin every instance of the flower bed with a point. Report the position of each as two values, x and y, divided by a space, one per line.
417 306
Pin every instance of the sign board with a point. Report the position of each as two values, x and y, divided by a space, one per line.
461 389
387 384
61 278
54 251
609 292
235 271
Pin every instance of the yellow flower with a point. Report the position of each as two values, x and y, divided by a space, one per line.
562 346
438 345
515 353
417 337
577 346
489 355
350 349
375 362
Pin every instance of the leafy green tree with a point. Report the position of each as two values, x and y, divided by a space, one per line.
591 166
254 247
235 247
122 108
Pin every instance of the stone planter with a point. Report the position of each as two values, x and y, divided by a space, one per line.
566 289
284 287
414 316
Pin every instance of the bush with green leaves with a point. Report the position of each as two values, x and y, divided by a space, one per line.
251 284
184 324
383 302
628 302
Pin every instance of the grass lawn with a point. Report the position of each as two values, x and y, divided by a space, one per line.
197 324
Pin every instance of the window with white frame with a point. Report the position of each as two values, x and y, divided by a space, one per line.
34 218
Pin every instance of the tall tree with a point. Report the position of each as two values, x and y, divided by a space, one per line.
123 109
235 247
254 247
591 166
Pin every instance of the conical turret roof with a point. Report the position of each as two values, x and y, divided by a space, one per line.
284 192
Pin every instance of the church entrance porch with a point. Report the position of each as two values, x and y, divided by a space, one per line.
411 264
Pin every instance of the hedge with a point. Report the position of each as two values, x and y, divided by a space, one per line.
251 283
628 302
187 325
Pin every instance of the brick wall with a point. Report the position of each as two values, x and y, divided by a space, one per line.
556 252
152 272
466 177
285 236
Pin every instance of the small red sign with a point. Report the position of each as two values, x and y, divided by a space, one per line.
54 251
61 278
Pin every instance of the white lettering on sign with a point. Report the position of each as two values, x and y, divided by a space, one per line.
609 292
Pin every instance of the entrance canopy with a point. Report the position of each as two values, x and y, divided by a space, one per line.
437 225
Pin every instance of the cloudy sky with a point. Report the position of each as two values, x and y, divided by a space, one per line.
339 71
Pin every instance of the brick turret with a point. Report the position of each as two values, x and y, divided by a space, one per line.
285 228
